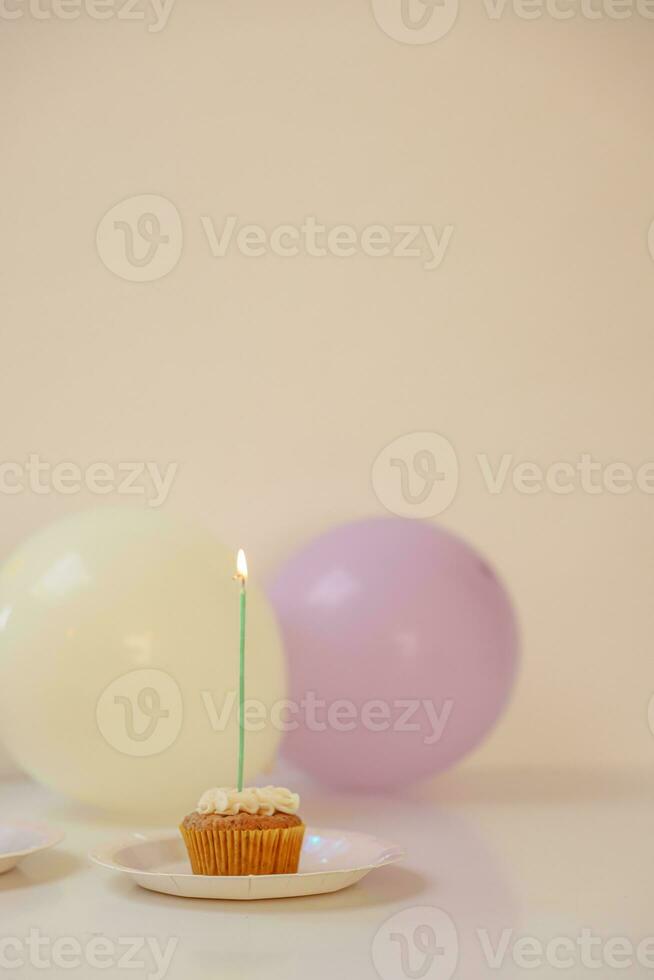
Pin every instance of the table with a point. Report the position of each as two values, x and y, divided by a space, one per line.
508 874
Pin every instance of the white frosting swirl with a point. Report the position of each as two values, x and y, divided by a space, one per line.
265 800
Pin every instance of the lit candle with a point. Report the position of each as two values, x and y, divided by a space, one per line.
242 577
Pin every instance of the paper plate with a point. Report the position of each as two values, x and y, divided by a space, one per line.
330 860
19 840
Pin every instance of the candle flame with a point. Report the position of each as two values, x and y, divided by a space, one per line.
241 566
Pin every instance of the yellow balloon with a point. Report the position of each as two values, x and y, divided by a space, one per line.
119 660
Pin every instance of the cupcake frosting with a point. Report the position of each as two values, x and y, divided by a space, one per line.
265 800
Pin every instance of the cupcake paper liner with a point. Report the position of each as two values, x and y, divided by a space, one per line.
243 852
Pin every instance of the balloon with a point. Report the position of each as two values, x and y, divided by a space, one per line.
402 647
119 633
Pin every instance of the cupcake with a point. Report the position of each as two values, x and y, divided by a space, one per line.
249 832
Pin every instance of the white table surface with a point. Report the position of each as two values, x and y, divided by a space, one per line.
545 855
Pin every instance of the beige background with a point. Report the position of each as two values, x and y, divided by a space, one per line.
276 382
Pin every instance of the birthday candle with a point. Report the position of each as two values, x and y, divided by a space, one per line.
241 576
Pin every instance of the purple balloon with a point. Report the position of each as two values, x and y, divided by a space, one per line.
402 647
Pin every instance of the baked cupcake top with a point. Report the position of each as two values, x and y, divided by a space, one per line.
256 800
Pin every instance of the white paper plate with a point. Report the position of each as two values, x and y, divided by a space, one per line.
19 840
330 860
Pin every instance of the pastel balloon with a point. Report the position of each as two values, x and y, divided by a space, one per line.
119 633
402 646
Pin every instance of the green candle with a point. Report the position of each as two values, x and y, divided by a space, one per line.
241 575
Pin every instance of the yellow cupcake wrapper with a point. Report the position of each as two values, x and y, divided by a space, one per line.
244 852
